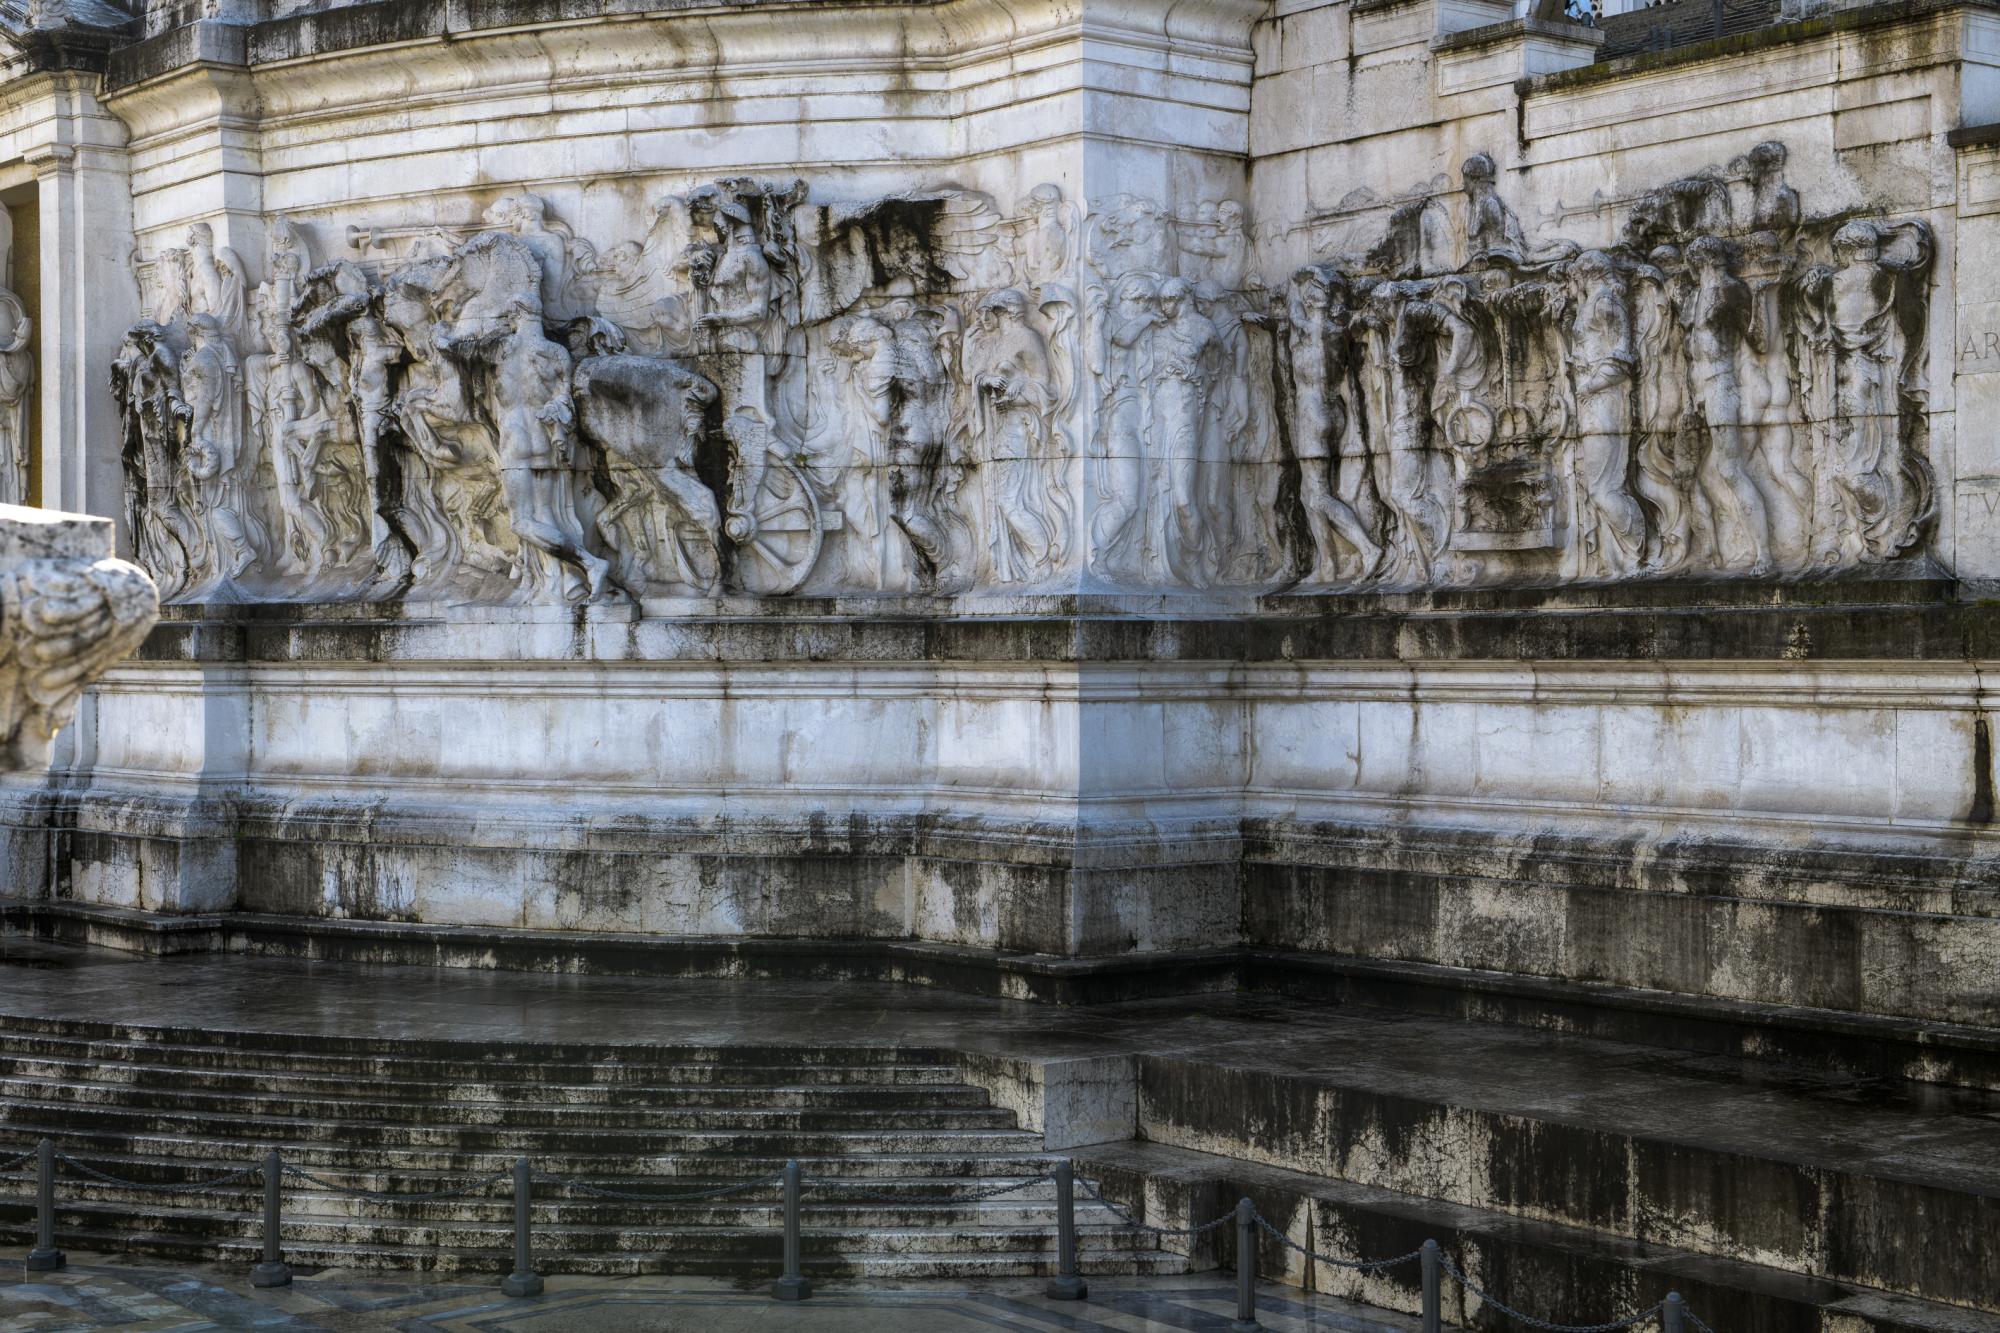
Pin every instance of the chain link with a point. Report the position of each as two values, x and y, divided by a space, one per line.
392 1196
1695 1320
13 1162
1127 1219
1628 1322
974 1196
603 1192
191 1187
1358 1265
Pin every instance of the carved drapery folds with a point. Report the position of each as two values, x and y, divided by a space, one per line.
1728 389
767 394
762 395
17 378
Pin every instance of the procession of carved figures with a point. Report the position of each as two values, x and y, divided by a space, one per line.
762 395
1729 388
922 393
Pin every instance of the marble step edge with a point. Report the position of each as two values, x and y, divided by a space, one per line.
527 1096
1630 1150
209 1035
123 1056
496 1262
560 1206
491 1114
379 1168
219 1226
1169 1186
1917 1050
510 1143
105 1071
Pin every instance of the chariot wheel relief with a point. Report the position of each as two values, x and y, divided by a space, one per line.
790 531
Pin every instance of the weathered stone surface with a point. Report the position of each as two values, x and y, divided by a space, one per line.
68 610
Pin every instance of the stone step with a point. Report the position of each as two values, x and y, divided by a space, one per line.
27 1120
820 1257
921 1109
174 1159
581 1065
933 1204
317 1046
936 1087
1817 1175
963 1231
756 1246
1558 1273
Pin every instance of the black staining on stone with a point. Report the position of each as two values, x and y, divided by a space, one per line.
1294 532
890 245
1541 1168
1981 812
347 27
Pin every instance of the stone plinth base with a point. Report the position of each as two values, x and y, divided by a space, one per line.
1758 797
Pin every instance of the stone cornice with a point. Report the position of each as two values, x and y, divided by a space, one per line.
431 52
931 30
1897 12
1906 621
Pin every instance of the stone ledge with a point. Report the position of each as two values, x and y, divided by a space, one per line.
1916 620
1973 136
360 27
1562 1271
1040 977
1863 1045
1517 30
1760 39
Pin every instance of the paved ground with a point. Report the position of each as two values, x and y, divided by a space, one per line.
141 1296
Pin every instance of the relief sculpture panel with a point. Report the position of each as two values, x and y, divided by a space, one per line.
1730 388
769 394
762 395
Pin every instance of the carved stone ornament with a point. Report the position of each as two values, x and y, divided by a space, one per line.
767 394
1730 389
68 612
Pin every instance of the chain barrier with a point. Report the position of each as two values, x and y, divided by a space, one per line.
1629 1321
190 1187
1127 1219
1358 1265
459 1191
605 1192
854 1190
877 1196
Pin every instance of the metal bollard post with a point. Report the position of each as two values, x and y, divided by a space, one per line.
1673 1314
1066 1285
274 1271
1246 1268
45 1257
524 1280
792 1285
1429 1258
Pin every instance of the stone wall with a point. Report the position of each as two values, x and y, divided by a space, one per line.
1123 480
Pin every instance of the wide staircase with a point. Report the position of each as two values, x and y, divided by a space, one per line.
400 1152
